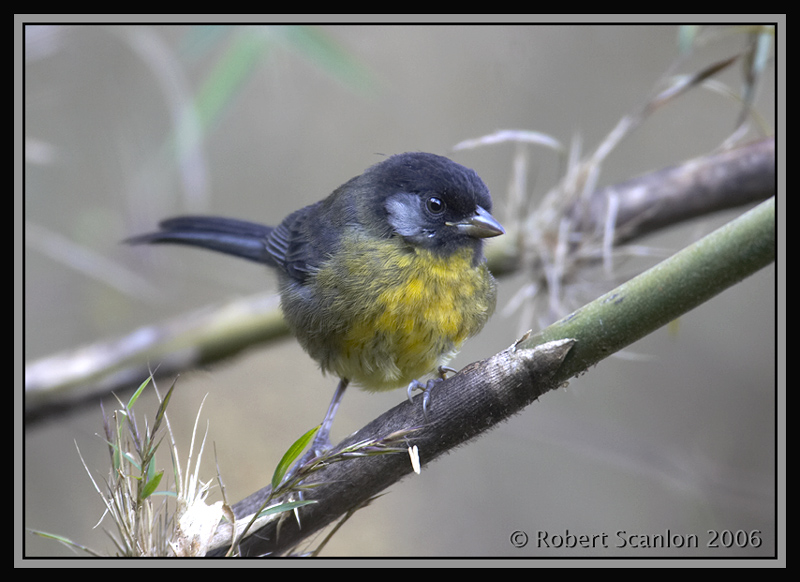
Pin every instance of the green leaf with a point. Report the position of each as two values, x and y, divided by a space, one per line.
330 55
291 456
246 49
162 408
151 485
289 505
138 392
128 457
66 541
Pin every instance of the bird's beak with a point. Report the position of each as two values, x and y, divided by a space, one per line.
479 225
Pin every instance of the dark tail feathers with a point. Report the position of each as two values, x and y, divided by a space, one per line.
240 238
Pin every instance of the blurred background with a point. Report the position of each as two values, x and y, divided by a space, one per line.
676 434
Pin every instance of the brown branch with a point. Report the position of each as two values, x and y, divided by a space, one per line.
713 183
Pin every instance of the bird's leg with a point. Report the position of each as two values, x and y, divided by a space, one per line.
322 440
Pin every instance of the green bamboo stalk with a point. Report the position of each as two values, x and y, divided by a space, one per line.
666 291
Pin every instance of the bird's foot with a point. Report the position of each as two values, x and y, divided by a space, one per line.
427 387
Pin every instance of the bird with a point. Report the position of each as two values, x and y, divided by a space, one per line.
382 281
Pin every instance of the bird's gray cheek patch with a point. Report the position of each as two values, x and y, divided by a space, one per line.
404 214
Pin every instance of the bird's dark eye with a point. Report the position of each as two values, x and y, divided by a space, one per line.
435 205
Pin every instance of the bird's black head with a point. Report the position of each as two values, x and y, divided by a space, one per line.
432 202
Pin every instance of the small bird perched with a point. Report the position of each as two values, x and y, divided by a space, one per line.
382 281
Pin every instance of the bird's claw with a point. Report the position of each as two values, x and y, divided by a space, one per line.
427 388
